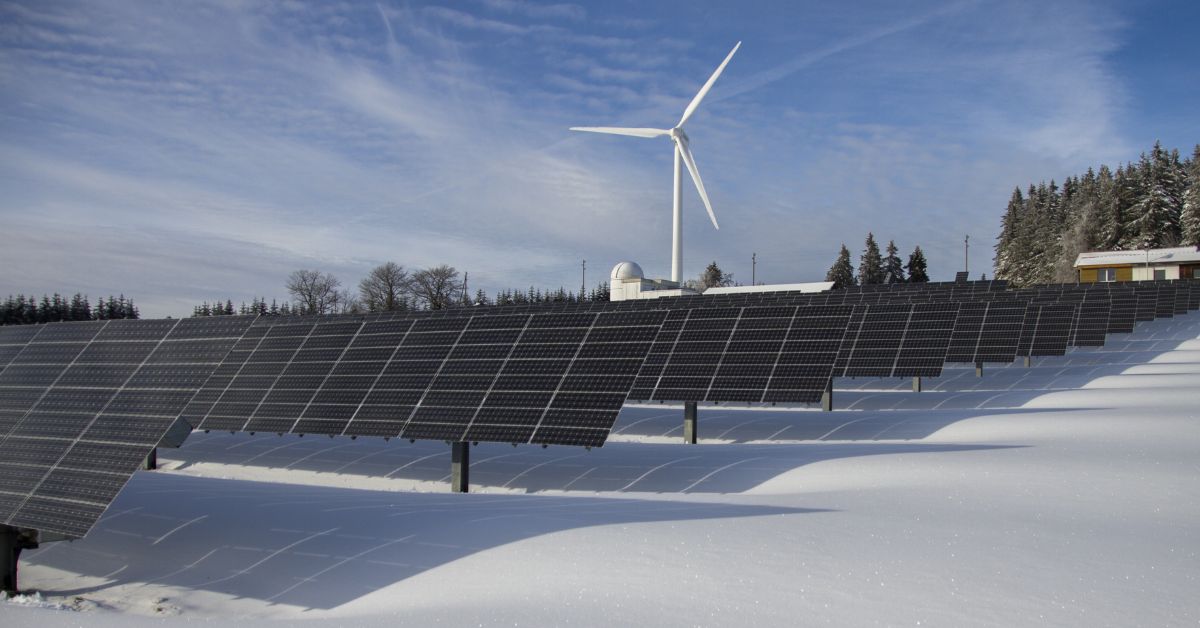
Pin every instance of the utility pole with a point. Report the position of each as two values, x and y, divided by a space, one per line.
464 292
583 280
753 269
967 254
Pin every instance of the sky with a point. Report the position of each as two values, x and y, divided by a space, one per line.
188 151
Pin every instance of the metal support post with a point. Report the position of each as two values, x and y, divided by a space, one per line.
1028 361
827 396
979 369
460 465
917 384
151 462
12 541
689 422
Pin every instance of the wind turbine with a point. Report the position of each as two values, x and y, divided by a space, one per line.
682 154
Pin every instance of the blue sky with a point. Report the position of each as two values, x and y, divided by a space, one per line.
186 151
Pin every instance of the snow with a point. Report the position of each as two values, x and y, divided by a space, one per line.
1063 494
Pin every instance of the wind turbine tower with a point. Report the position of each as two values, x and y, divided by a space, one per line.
683 157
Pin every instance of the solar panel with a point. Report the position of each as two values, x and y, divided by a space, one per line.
873 339
780 354
1092 320
16 392
897 340
961 276
550 378
1046 329
1147 300
1182 297
926 340
986 331
103 396
1123 315
1165 301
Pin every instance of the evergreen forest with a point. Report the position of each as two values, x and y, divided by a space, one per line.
28 310
1153 203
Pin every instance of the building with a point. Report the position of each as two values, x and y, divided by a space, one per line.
1138 265
627 281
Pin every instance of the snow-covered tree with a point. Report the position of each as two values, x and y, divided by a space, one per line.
1004 265
1156 213
1189 219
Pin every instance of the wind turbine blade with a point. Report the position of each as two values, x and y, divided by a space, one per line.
691 108
686 153
617 130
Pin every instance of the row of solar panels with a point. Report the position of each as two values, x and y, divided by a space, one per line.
81 404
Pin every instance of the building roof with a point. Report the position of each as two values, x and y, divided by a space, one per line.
1159 257
815 286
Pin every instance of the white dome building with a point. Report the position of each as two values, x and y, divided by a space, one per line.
628 281
626 270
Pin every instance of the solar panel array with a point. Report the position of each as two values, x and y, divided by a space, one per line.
86 402
82 404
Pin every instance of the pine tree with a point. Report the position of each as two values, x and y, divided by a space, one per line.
842 271
45 311
870 267
1004 265
893 266
918 270
1045 236
714 277
1111 209
1156 212
1129 195
1189 219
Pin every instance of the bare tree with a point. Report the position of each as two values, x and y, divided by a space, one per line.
347 303
385 288
436 288
315 292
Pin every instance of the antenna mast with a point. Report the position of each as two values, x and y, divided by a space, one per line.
966 254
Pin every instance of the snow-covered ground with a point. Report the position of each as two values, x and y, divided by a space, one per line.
1064 494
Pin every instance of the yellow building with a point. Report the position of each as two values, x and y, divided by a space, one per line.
1138 265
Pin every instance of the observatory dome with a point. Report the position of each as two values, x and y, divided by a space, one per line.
627 270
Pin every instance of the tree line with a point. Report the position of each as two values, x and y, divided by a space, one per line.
390 287
1153 203
874 268
28 310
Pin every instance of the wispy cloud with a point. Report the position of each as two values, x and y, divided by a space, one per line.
537 10
179 150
